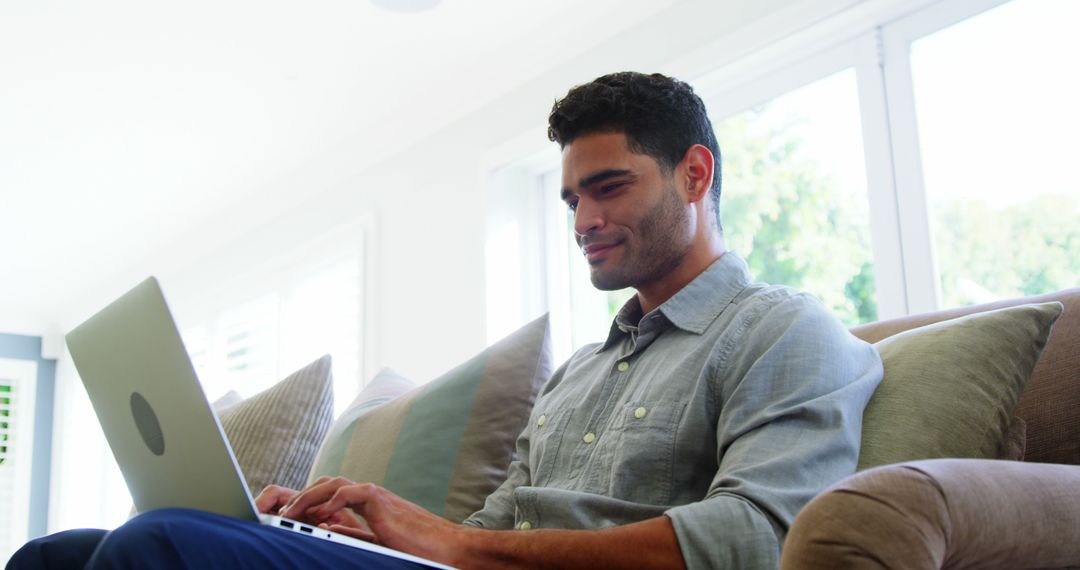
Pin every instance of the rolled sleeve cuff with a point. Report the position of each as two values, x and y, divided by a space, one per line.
725 531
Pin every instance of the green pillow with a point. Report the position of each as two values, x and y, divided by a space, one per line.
447 444
950 387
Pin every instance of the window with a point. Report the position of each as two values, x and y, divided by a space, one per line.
794 200
17 391
250 345
997 122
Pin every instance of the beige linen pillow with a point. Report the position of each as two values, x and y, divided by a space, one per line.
386 386
950 387
447 444
276 433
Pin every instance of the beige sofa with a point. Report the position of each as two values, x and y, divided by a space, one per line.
965 513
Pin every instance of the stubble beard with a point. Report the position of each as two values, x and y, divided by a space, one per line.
661 244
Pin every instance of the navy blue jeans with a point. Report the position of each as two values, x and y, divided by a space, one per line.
181 538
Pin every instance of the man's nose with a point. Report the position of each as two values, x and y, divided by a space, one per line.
588 218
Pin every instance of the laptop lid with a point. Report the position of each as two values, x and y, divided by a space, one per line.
167 441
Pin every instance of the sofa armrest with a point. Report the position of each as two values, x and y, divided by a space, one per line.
943 513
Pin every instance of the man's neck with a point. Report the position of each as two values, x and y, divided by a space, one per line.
652 295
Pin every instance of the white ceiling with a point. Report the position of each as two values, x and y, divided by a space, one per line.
125 124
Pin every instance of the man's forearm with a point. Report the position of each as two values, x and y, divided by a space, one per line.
647 544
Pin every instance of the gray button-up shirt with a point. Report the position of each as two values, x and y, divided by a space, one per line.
726 409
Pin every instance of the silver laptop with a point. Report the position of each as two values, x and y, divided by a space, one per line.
166 439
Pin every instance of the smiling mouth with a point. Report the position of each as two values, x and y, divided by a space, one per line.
596 253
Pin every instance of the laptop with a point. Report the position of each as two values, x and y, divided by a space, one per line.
156 418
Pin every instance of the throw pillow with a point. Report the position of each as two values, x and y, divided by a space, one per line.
950 387
446 445
276 433
386 386
230 398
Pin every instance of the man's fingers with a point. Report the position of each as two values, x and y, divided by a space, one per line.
273 497
355 496
362 534
345 517
313 495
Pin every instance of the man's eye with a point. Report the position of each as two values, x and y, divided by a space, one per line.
611 188
572 206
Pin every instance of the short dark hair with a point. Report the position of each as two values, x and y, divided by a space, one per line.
660 116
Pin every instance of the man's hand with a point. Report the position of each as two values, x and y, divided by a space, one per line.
275 498
391 520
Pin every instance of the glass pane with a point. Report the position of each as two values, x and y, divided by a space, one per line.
996 98
794 200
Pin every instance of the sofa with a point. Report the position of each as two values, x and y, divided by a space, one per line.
965 512
445 445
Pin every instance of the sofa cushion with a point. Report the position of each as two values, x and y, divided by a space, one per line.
276 433
950 388
447 444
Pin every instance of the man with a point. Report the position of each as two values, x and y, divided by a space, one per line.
714 410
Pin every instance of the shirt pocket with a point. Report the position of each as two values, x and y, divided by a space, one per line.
547 436
644 451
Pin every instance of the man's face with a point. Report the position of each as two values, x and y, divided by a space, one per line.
629 218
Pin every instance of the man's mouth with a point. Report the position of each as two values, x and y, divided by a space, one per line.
596 252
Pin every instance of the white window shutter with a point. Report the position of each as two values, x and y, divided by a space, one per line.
18 380
250 345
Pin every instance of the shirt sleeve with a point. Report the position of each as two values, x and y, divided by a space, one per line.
791 393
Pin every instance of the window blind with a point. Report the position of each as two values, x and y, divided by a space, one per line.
250 345
7 467
17 385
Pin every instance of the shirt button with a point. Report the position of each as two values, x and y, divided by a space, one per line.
525 525
589 437
541 421
623 366
640 413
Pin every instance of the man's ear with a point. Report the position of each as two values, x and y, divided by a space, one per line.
697 169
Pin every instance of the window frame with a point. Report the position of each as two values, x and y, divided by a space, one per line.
923 279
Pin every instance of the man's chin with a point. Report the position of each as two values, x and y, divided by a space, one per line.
607 282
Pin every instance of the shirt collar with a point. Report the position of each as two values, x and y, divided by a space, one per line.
694 306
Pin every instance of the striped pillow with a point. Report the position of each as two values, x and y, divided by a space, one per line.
276 433
385 387
445 445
